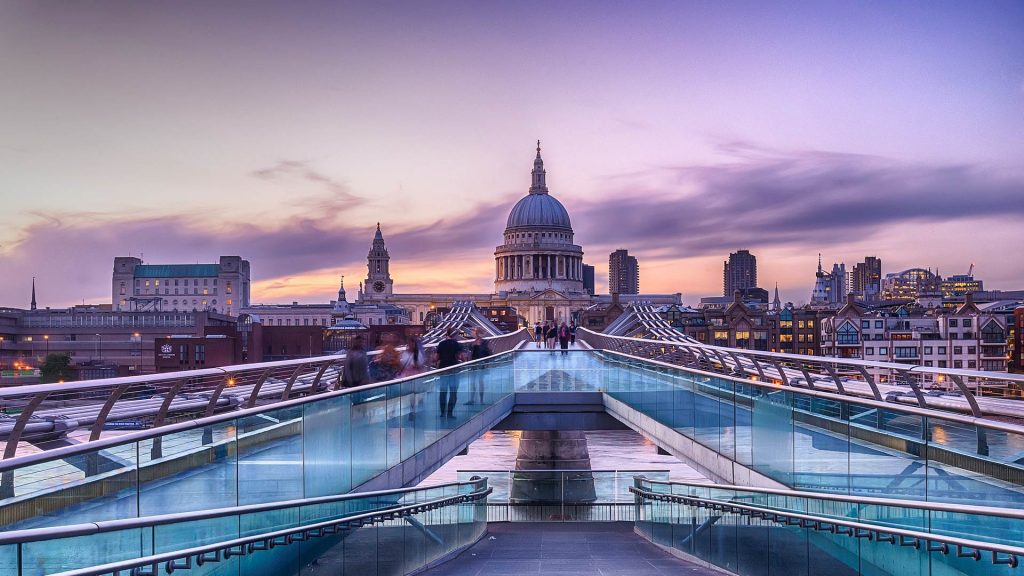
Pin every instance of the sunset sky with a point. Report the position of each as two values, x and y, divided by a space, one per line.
283 131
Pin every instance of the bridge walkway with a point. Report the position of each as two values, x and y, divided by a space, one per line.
565 549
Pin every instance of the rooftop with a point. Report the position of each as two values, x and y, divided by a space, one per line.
177 270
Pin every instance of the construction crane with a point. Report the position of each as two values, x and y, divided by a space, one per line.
971 269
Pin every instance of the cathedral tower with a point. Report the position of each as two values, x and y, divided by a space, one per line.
378 285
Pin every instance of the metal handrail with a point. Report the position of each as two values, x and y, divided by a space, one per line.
6 392
822 359
199 555
112 388
1014 513
878 533
105 443
917 411
89 528
824 366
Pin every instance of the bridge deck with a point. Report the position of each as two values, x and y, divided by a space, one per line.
566 549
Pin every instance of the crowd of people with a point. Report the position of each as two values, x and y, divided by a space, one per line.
551 333
390 363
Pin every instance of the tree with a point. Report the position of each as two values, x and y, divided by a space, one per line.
56 368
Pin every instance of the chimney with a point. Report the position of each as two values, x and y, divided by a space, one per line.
737 297
849 298
968 298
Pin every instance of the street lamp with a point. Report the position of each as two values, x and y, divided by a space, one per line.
99 346
46 337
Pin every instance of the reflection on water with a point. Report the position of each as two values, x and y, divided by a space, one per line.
609 450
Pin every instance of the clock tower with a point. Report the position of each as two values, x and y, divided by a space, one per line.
378 285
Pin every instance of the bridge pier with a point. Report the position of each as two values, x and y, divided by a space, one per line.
562 452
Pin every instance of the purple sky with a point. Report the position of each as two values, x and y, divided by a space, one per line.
282 131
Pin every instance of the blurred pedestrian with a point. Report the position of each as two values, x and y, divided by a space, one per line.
388 362
413 363
357 369
563 338
479 350
538 334
551 335
448 353
572 333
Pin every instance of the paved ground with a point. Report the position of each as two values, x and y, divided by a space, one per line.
518 549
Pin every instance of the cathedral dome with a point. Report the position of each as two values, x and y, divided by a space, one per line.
539 210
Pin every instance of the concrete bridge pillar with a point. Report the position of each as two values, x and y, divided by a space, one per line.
553 450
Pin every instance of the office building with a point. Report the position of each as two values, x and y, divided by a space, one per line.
740 272
222 288
623 273
866 280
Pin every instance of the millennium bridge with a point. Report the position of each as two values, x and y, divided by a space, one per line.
814 465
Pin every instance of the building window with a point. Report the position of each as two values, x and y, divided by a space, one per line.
865 324
227 287
847 334
972 349
879 324
904 352
952 322
958 363
966 323
927 349
883 351
869 351
972 364
228 301
942 364
958 349
991 334
942 349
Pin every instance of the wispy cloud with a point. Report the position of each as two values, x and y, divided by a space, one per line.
766 198
340 197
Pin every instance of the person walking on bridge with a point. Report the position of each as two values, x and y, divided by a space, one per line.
448 352
551 332
479 350
563 338
357 368
538 335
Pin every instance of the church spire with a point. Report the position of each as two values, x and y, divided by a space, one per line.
538 184
33 293
777 303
